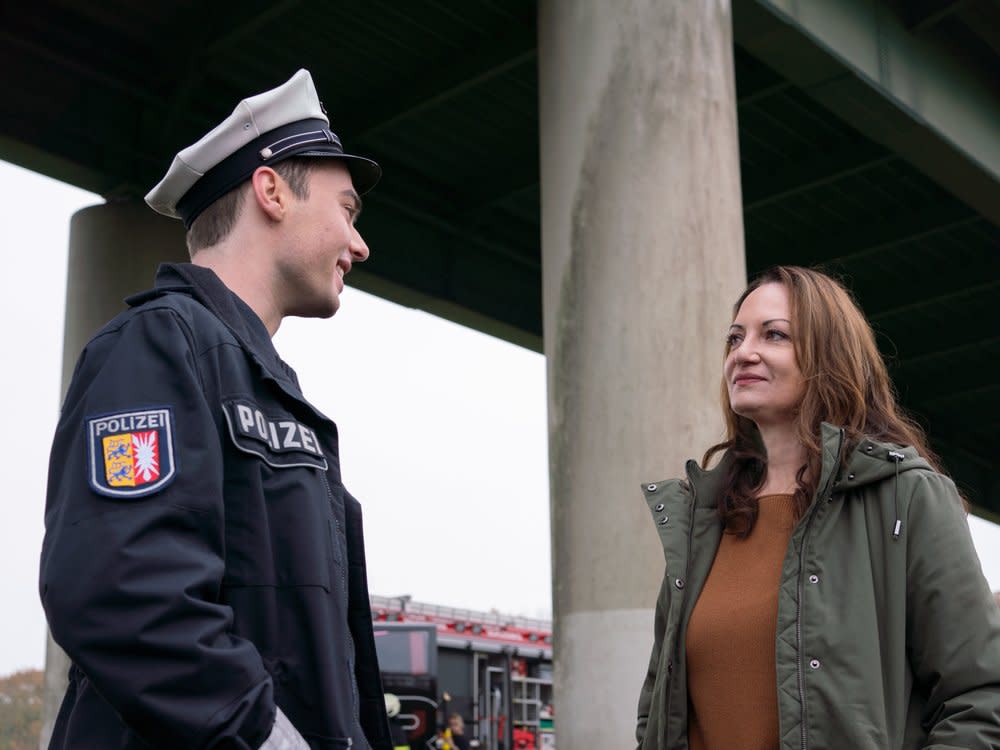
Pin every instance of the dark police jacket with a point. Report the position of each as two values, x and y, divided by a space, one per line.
203 562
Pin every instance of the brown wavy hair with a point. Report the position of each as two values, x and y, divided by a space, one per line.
846 384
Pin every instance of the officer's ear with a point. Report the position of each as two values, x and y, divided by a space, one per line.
270 192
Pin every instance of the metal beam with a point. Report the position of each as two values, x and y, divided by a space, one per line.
938 111
983 19
929 358
763 186
450 78
469 237
479 204
422 262
754 80
859 242
923 14
955 294
765 92
250 24
520 178
915 231
431 203
80 67
971 384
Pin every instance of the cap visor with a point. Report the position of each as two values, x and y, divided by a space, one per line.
365 173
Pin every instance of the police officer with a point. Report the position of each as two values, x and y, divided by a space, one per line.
203 564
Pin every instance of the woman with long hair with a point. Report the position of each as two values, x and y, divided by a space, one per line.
821 588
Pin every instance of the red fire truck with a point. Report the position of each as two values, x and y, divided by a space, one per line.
493 670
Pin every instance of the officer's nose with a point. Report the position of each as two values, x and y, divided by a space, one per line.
358 248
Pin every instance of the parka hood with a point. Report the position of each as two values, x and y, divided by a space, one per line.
872 461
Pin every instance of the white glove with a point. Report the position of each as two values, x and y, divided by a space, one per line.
284 736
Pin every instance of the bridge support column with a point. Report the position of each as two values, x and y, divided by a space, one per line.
642 249
114 250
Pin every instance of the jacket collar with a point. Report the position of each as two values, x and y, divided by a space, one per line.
206 287
203 285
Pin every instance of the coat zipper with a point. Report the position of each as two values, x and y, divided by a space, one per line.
798 639
687 568
800 669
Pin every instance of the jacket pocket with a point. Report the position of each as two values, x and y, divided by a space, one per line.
278 529
277 505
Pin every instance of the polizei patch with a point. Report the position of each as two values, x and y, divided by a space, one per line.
132 452
278 438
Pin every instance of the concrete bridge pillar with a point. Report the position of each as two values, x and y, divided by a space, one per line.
642 256
114 250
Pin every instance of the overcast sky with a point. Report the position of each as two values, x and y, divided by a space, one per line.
443 434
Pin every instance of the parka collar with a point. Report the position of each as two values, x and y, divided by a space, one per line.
868 462
708 483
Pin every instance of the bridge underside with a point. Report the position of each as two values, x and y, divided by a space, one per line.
100 95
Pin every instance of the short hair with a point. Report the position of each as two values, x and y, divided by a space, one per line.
846 384
215 223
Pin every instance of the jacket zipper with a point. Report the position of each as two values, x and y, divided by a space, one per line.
349 642
800 670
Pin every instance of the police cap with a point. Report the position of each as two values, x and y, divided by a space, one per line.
262 131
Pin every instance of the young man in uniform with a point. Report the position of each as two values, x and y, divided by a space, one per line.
203 564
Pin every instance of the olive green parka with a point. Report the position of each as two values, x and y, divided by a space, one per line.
888 637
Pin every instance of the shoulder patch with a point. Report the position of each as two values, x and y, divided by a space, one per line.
131 452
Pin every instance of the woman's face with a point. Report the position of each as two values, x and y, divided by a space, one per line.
761 370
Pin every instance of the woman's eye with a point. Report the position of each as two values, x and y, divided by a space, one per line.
775 334
733 339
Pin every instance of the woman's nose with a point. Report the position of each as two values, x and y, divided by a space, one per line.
747 352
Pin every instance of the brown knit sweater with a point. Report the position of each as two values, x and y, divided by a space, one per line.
732 684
